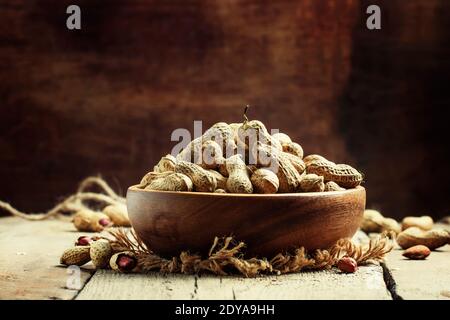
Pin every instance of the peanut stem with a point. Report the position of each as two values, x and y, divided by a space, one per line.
245 115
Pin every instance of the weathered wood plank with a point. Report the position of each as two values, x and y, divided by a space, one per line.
29 270
106 284
30 256
422 279
32 272
367 283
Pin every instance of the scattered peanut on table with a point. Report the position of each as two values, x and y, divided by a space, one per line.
418 236
374 221
433 239
419 252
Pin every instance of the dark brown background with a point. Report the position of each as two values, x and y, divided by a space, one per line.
105 99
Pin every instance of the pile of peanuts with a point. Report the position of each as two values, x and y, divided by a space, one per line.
102 254
418 236
246 158
88 220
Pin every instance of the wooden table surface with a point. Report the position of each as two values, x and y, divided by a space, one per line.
29 269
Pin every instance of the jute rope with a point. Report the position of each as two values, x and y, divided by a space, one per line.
73 202
226 256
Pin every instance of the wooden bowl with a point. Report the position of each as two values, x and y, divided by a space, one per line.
170 222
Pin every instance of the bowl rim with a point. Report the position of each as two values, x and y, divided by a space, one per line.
135 188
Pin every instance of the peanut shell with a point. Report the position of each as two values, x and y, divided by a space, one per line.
118 214
167 163
173 182
89 221
100 253
221 181
255 131
313 157
333 186
238 179
192 152
265 181
282 138
312 183
293 148
77 256
224 135
432 239
212 155
373 221
343 174
424 222
296 161
150 176
130 264
288 176
203 181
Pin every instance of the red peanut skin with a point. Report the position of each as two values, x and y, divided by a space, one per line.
418 252
347 265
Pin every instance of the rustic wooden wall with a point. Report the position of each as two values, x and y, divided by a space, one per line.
393 110
105 99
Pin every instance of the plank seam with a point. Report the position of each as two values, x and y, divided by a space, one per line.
84 286
389 280
194 294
